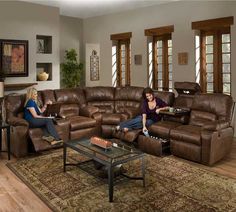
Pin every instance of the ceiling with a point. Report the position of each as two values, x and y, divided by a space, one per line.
92 8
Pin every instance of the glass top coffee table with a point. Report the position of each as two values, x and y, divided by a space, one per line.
118 154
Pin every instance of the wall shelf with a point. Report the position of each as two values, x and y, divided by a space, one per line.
18 86
44 44
44 67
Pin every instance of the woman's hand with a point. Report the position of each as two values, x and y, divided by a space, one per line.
49 102
144 129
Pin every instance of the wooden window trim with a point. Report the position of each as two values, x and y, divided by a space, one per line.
213 23
127 62
165 64
217 60
159 31
121 36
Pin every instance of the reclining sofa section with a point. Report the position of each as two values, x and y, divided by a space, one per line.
205 136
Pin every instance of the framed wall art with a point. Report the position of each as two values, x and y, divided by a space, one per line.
94 66
14 58
93 61
183 58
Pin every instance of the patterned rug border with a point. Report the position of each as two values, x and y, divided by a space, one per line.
10 165
43 199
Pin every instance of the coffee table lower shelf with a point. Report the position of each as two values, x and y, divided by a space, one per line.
109 165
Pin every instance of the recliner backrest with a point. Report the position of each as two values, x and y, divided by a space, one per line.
101 97
127 97
210 107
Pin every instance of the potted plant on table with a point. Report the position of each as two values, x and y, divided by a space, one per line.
71 70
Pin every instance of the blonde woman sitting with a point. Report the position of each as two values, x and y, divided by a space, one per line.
33 114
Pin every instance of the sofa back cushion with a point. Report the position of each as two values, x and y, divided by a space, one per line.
101 97
48 95
210 107
166 96
200 118
127 97
40 99
14 104
69 110
183 101
70 95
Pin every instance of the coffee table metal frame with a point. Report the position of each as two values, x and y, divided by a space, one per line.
110 165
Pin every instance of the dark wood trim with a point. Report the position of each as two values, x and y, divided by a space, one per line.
165 65
217 60
213 23
20 86
154 64
159 31
119 64
215 63
127 59
121 36
203 62
219 69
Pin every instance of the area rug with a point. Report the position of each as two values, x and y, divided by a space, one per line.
171 185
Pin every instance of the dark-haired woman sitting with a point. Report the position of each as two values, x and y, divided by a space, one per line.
151 107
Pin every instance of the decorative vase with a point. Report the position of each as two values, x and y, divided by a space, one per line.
43 76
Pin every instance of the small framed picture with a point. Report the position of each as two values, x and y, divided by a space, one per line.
14 58
183 58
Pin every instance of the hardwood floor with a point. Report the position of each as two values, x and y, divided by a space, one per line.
16 196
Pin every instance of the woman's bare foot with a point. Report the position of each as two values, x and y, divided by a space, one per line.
125 129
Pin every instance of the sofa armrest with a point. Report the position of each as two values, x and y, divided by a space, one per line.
15 121
88 111
216 125
132 112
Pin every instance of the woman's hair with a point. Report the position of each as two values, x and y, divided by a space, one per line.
147 90
29 94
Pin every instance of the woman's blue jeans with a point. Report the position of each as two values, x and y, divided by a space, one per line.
46 124
135 123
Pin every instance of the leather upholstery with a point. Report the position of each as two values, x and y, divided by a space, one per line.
218 104
167 97
81 122
101 97
48 95
162 129
127 98
71 95
111 118
206 138
69 110
187 133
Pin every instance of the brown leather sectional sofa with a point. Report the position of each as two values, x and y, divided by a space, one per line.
204 136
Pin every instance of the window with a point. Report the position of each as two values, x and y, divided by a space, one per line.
121 59
213 55
160 57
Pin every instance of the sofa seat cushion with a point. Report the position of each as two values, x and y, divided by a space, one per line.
81 122
113 118
187 133
162 128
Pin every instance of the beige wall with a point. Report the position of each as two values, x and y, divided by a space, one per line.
23 21
179 14
71 36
